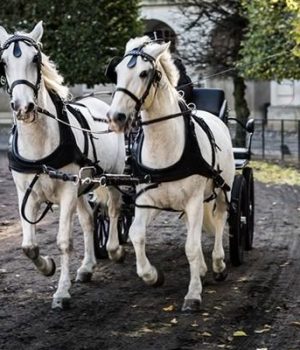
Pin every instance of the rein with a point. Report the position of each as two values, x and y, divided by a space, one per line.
48 114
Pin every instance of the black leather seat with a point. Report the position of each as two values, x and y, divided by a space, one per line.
212 101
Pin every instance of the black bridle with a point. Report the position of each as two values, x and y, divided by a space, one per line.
153 79
17 53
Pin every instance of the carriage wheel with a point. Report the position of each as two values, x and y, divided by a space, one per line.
237 220
248 175
124 224
101 230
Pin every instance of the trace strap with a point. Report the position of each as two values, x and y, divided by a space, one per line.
25 200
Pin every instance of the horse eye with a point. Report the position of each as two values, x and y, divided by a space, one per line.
35 59
144 74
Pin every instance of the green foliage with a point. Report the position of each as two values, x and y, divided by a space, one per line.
80 36
269 34
294 6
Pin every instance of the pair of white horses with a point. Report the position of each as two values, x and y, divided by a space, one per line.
162 146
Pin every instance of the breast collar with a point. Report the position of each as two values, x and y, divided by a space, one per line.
190 163
67 151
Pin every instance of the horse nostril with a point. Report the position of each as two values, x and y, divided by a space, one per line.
30 107
12 104
121 117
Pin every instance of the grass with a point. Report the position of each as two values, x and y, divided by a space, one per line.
268 172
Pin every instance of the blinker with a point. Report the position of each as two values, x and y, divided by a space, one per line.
110 71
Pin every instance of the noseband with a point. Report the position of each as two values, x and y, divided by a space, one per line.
18 53
153 79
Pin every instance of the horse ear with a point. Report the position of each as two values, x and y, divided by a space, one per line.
37 32
157 50
3 35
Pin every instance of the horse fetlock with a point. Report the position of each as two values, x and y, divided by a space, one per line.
117 255
154 277
32 252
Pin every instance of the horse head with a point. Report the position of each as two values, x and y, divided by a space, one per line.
136 75
20 58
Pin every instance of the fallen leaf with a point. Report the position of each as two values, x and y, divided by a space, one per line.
169 308
262 349
243 279
239 334
263 330
295 323
285 264
217 308
206 334
205 314
194 324
174 321
211 291
222 346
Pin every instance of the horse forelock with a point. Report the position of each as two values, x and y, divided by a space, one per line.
136 42
165 59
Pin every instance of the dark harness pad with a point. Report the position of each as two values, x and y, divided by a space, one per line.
190 163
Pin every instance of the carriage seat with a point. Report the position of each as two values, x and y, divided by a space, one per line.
212 101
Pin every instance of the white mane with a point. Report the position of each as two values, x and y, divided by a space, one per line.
53 80
165 61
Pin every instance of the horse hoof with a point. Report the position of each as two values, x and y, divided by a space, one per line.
191 305
51 272
84 277
160 278
122 256
61 303
220 276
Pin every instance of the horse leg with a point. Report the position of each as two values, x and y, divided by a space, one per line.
30 247
150 274
68 202
215 221
85 215
193 250
115 251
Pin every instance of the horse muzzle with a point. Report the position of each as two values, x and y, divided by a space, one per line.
118 122
25 113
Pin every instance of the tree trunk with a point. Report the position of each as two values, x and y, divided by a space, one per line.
241 109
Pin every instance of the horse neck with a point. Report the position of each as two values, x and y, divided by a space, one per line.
163 141
40 138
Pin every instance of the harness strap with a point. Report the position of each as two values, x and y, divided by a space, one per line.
145 189
161 119
23 82
25 200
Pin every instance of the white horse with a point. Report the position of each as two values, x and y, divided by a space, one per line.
146 80
34 84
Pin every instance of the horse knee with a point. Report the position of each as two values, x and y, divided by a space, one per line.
65 246
137 235
32 252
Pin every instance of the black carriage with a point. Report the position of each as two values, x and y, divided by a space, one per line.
241 213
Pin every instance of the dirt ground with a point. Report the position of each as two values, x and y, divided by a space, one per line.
257 307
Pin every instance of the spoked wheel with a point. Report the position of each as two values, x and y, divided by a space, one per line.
101 230
238 220
248 175
124 224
